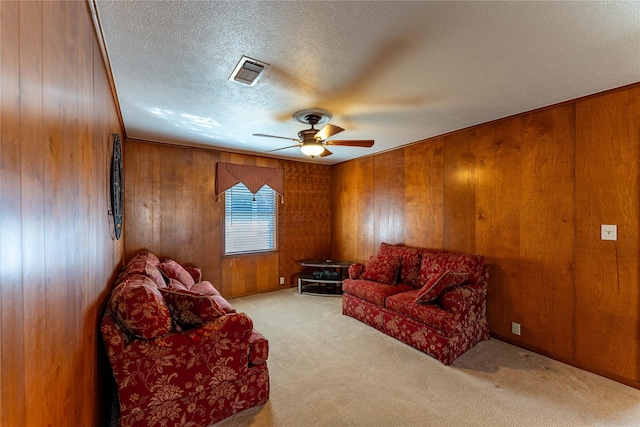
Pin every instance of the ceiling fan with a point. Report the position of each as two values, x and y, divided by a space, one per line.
313 142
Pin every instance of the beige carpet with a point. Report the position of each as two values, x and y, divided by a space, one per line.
327 369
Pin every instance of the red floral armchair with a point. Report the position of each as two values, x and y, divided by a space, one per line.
180 357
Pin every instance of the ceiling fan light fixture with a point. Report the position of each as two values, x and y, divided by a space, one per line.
312 149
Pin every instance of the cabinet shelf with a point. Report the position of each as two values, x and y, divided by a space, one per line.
309 284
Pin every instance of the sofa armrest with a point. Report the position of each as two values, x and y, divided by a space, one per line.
151 372
114 337
467 302
258 348
355 270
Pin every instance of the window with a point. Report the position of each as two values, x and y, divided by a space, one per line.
249 220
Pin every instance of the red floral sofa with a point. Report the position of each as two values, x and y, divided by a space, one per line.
180 354
433 301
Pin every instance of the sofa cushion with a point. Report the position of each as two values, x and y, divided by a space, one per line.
143 263
150 256
205 288
373 292
437 284
190 308
139 307
173 270
382 269
195 273
434 264
429 314
154 274
410 264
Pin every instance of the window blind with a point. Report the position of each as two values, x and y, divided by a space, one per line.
250 220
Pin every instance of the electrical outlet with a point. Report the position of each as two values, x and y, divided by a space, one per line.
515 328
282 280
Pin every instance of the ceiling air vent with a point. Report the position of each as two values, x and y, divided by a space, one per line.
248 71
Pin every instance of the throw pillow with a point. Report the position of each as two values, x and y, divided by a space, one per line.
189 308
382 269
432 289
410 264
434 264
173 270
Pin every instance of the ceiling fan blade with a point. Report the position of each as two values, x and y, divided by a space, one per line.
328 131
355 143
326 153
274 136
283 148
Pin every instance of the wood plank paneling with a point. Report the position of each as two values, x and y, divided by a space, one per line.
32 191
498 228
545 288
529 193
12 356
249 274
389 199
352 194
171 209
607 271
424 198
460 191
525 225
56 177
170 205
57 254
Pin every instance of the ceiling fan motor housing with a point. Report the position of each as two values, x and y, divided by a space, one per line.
307 136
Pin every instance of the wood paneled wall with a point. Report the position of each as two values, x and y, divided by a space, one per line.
529 193
57 255
171 209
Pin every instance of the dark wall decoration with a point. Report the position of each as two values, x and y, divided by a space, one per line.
117 186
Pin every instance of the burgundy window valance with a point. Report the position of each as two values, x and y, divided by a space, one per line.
253 177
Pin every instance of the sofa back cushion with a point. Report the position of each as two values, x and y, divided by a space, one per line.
146 263
190 308
410 264
382 269
141 265
205 287
173 270
434 264
139 307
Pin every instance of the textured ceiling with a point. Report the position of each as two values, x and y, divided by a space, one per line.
396 72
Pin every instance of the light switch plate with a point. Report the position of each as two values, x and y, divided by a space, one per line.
609 232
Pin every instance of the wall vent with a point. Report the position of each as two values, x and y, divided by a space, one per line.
248 71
